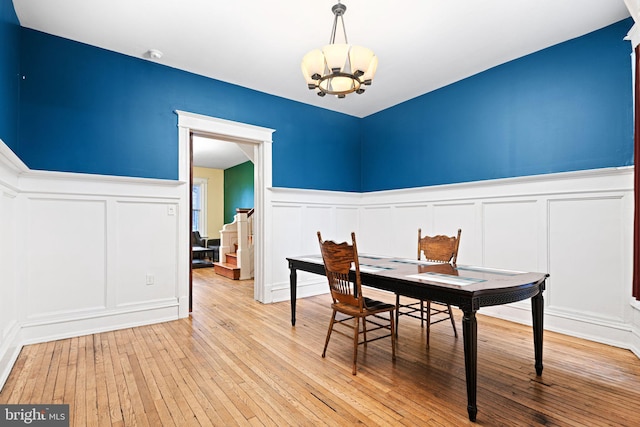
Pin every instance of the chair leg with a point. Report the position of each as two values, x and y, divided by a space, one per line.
364 331
397 312
326 343
393 336
428 321
453 323
355 343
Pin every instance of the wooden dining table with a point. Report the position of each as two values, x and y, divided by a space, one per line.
466 287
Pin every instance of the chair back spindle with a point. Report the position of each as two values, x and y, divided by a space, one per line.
338 259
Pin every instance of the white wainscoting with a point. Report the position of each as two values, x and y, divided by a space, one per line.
100 253
81 254
576 226
296 217
9 324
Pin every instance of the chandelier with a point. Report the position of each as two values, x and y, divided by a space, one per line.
339 68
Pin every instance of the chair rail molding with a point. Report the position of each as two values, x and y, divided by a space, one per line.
10 167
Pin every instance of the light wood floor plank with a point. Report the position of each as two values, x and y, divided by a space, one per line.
102 393
91 394
61 377
136 395
235 361
126 411
113 398
79 412
70 382
49 384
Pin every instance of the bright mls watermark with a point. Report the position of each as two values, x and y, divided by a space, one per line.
34 415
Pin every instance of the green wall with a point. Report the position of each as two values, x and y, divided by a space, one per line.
238 189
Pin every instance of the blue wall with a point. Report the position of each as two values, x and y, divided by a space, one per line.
85 109
9 74
565 108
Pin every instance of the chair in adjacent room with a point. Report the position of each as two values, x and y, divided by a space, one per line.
197 242
348 298
439 249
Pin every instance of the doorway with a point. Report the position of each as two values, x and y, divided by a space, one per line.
223 178
258 140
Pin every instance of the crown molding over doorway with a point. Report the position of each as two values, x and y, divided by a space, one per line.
261 139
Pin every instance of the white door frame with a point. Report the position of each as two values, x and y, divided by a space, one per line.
261 139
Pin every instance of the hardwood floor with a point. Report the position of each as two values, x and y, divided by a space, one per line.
239 362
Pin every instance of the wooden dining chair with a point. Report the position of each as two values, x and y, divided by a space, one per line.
442 249
346 291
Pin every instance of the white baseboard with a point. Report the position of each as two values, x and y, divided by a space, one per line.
9 352
634 341
309 288
52 330
615 334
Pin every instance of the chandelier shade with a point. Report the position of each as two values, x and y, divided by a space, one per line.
339 68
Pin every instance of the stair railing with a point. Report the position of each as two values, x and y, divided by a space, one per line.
238 236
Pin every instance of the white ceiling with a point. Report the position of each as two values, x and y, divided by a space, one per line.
421 44
216 154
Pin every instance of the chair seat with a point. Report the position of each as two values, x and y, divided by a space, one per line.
372 306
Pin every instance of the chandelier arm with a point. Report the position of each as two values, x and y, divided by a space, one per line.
344 29
332 37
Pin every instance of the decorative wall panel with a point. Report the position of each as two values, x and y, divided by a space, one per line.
511 235
146 238
376 232
406 221
65 253
449 217
586 258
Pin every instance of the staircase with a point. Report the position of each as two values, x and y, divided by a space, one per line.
229 268
236 247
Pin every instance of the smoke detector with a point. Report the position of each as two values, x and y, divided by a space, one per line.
154 54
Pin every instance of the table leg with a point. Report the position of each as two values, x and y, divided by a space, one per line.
293 284
537 310
470 336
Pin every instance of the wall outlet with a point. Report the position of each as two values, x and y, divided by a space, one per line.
150 279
